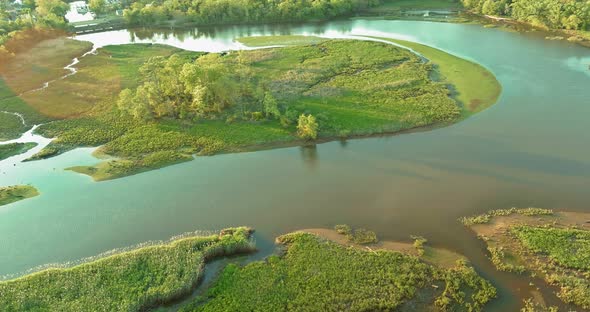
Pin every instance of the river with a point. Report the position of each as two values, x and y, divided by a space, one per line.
530 149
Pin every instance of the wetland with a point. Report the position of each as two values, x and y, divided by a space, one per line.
505 155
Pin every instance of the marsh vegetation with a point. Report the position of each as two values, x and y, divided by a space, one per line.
540 242
130 281
321 275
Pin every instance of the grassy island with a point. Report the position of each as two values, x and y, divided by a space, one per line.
130 281
11 194
316 274
149 106
12 149
539 242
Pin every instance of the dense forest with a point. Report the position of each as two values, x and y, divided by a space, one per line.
145 12
553 14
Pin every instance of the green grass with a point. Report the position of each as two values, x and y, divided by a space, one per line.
567 247
11 194
9 150
130 281
389 5
475 87
11 127
242 133
285 40
487 217
319 275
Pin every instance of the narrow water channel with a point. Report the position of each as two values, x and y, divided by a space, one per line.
530 149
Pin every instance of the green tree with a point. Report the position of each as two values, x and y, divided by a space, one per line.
97 6
29 4
125 102
271 107
572 22
51 12
48 7
307 127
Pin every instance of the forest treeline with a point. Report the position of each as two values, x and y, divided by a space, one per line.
146 12
552 14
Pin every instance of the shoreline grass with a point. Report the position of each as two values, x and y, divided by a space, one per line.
282 40
11 194
130 281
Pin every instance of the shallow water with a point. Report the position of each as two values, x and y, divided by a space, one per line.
530 149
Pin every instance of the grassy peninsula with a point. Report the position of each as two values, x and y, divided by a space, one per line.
242 100
542 243
11 194
12 149
149 106
130 281
316 274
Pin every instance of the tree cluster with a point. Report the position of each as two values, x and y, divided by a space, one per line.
206 87
146 12
553 14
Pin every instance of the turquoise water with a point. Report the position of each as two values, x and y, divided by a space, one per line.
530 149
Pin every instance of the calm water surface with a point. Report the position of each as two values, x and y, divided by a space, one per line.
530 149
